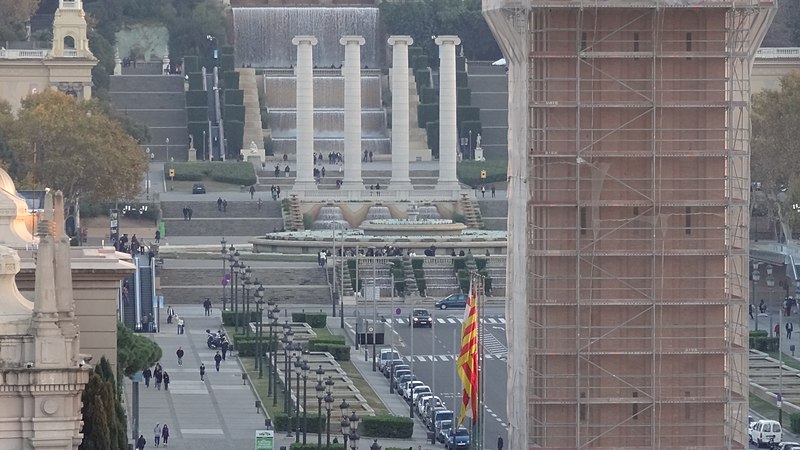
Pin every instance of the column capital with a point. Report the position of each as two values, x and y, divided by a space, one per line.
311 40
400 40
442 40
352 39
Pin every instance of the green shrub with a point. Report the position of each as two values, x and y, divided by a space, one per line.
190 64
461 79
432 131
313 319
413 52
339 352
461 64
764 344
248 345
794 423
264 119
463 279
759 333
419 62
393 427
229 317
468 113
196 98
230 80
471 125
235 113
197 114
426 113
234 134
429 95
459 218
280 422
308 221
469 172
332 339
463 96
239 173
481 264
423 78
234 97
227 63
196 81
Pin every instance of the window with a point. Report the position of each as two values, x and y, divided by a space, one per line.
635 407
636 44
69 43
583 220
688 220
688 44
583 41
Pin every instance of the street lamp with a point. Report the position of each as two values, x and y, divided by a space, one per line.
150 157
343 407
328 405
320 388
259 295
273 361
755 275
298 371
166 141
224 253
305 368
251 283
354 426
375 445
242 280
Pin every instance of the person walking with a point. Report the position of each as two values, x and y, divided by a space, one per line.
141 442
179 354
217 360
190 211
224 205
499 442
202 372
751 308
224 347
777 330
159 377
207 306
147 374
181 324
762 307
166 381
157 434
483 191
158 236
252 191
493 191
789 329
165 435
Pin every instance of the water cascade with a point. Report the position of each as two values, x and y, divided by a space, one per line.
378 212
328 216
428 212
263 35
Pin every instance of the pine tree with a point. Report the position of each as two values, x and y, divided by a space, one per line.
117 424
96 435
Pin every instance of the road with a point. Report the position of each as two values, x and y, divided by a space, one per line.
433 360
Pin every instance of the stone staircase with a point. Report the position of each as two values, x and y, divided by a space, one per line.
498 275
159 102
242 218
418 149
472 213
295 217
494 214
252 110
440 280
292 285
489 86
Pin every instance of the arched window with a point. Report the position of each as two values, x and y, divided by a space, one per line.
69 43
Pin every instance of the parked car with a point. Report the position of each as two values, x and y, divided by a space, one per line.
398 374
789 446
410 387
422 406
395 367
443 430
452 301
421 389
198 188
439 416
458 439
429 417
420 400
387 366
386 354
420 317
765 432
430 409
402 381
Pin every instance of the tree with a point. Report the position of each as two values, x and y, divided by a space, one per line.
135 353
96 435
71 145
117 424
14 15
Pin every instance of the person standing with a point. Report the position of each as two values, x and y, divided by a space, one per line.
789 329
190 211
219 204
179 354
225 346
166 381
157 434
483 191
493 191
141 442
158 236
224 205
165 435
217 360
751 308
147 374
180 325
777 330
202 372
499 442
252 191
159 377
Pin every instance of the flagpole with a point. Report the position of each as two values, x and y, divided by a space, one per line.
482 359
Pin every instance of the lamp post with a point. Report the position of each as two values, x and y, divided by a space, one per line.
305 368
166 141
755 275
298 371
344 406
259 295
224 253
328 405
150 156
353 431
243 281
320 388
273 368
248 275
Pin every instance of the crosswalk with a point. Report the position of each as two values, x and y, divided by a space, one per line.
450 320
443 358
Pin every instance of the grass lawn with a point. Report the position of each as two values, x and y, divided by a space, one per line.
469 172
211 186
763 407
787 360
261 387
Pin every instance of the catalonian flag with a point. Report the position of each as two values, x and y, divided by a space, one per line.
468 357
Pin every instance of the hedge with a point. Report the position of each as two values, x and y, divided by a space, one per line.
339 352
300 446
471 125
239 173
464 113
764 344
339 340
190 64
393 427
469 172
196 98
133 210
229 317
197 113
313 319
463 96
226 62
461 79
248 345
461 63
422 77
413 52
230 80
429 95
432 131
234 97
235 113
234 134
426 113
794 423
420 62
196 81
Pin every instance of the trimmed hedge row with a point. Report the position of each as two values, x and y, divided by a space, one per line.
190 64
224 172
197 113
426 113
230 80
234 113
234 134
432 131
394 427
248 345
764 344
234 97
196 81
313 319
196 98
794 423
229 317
339 352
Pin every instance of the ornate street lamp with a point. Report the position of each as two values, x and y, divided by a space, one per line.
320 388
354 437
224 253
328 405
304 367
298 371
273 366
343 407
243 281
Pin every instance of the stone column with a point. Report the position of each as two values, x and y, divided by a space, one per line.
400 127
448 134
351 70
304 75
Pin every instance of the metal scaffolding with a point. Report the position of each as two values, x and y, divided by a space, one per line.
637 218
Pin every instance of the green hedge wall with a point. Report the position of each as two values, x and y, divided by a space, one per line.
190 64
432 130
225 172
196 98
426 113
230 80
794 423
248 345
234 97
196 130
413 52
226 62
394 427
420 62
461 80
468 113
339 352
226 50
234 134
196 81
313 319
764 344
234 113
463 96
471 125
429 95
229 317
423 78
338 340
197 113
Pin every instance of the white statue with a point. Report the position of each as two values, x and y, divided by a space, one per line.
253 148
478 141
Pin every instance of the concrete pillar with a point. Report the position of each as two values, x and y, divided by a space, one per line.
351 70
448 134
304 73
400 127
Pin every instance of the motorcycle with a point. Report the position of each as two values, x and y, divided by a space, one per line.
215 340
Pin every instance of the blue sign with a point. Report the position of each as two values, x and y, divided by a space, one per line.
397 311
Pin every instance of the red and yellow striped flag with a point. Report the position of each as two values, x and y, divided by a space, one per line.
468 357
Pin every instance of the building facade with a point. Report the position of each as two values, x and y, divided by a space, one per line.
628 217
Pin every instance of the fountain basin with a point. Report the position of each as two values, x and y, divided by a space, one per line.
421 227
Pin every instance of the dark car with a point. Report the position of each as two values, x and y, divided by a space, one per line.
198 188
452 301
458 439
420 317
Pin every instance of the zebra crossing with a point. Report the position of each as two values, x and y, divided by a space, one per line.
450 320
443 358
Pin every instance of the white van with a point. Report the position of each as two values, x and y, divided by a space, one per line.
765 432
387 354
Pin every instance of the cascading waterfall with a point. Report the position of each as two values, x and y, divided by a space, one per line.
429 212
378 212
329 217
263 35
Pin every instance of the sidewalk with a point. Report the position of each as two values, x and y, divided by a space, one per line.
212 415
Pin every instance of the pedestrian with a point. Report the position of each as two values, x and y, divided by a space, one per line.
165 435
261 203
499 442
286 171
789 329
252 191
157 434
493 191
141 442
181 325
217 360
157 375
751 308
762 307
224 205
202 372
147 374
278 191
179 354
158 236
483 191
166 381
322 172
185 213
219 204
225 346
190 211
366 155
777 330
370 156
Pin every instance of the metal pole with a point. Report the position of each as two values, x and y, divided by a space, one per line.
341 299
135 408
258 337
305 409
391 336
329 430
319 420
230 282
411 405
224 272
780 367
297 410
273 366
285 391
375 292
271 355
333 255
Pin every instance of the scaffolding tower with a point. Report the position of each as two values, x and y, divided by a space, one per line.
637 183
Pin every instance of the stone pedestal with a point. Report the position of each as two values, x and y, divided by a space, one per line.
305 113
400 180
448 133
351 71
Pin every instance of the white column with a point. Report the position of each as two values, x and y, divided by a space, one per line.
304 75
448 134
400 128
351 70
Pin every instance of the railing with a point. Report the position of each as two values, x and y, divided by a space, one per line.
23 54
68 53
778 53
